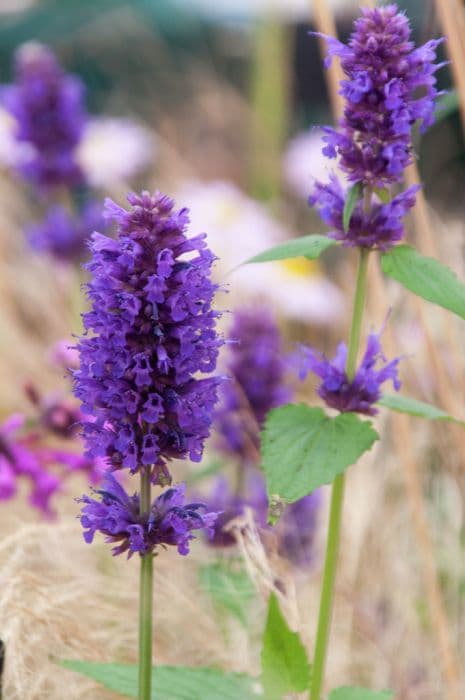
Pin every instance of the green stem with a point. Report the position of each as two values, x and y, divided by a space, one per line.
145 601
357 313
337 500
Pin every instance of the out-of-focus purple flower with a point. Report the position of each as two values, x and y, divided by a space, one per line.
48 106
390 85
364 390
57 415
230 505
23 454
153 332
257 368
64 236
116 515
297 528
378 228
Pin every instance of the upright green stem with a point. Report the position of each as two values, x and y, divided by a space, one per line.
145 601
337 500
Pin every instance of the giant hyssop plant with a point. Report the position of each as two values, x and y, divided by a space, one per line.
136 373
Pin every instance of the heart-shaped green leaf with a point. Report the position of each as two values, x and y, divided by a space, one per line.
303 448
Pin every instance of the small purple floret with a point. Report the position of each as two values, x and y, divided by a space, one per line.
378 229
151 332
169 522
362 392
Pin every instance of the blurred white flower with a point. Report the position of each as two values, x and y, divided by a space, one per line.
238 228
113 150
303 163
11 6
12 152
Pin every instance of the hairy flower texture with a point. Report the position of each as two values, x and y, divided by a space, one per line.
48 106
364 390
378 228
23 454
116 515
256 368
297 528
64 236
390 85
153 333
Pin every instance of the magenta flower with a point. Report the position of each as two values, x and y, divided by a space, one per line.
23 454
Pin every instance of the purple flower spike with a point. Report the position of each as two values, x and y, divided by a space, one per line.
364 390
48 106
152 333
256 368
379 228
169 522
390 85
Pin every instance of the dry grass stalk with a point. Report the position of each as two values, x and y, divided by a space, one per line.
324 22
452 16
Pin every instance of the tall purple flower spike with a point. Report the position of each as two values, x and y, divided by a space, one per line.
153 333
390 85
48 106
256 369
362 392
169 522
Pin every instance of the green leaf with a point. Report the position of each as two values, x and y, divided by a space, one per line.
303 448
404 404
230 589
170 682
383 193
285 666
360 694
353 195
309 247
426 277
